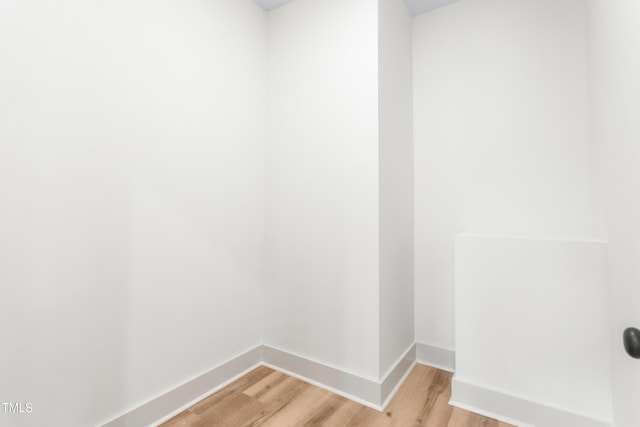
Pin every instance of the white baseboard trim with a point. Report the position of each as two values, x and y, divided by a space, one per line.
436 357
396 376
515 410
374 394
377 395
180 398
353 387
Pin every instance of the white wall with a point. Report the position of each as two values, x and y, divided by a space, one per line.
396 181
321 298
501 135
131 212
615 102
531 323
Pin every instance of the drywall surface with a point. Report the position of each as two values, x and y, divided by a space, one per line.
421 6
531 323
615 102
395 181
131 200
322 184
501 135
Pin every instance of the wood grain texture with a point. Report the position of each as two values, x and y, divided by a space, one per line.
268 398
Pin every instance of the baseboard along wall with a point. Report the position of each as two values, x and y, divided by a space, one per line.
435 356
514 409
370 393
169 404
374 394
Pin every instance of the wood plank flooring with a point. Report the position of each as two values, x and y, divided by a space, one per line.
268 398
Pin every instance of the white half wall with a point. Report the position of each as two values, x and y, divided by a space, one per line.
531 324
395 56
501 135
131 199
615 102
322 290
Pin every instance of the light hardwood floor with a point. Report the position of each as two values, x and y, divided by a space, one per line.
268 398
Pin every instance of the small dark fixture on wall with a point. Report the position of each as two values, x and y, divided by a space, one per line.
632 342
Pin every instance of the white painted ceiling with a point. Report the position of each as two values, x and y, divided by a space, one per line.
421 6
415 6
